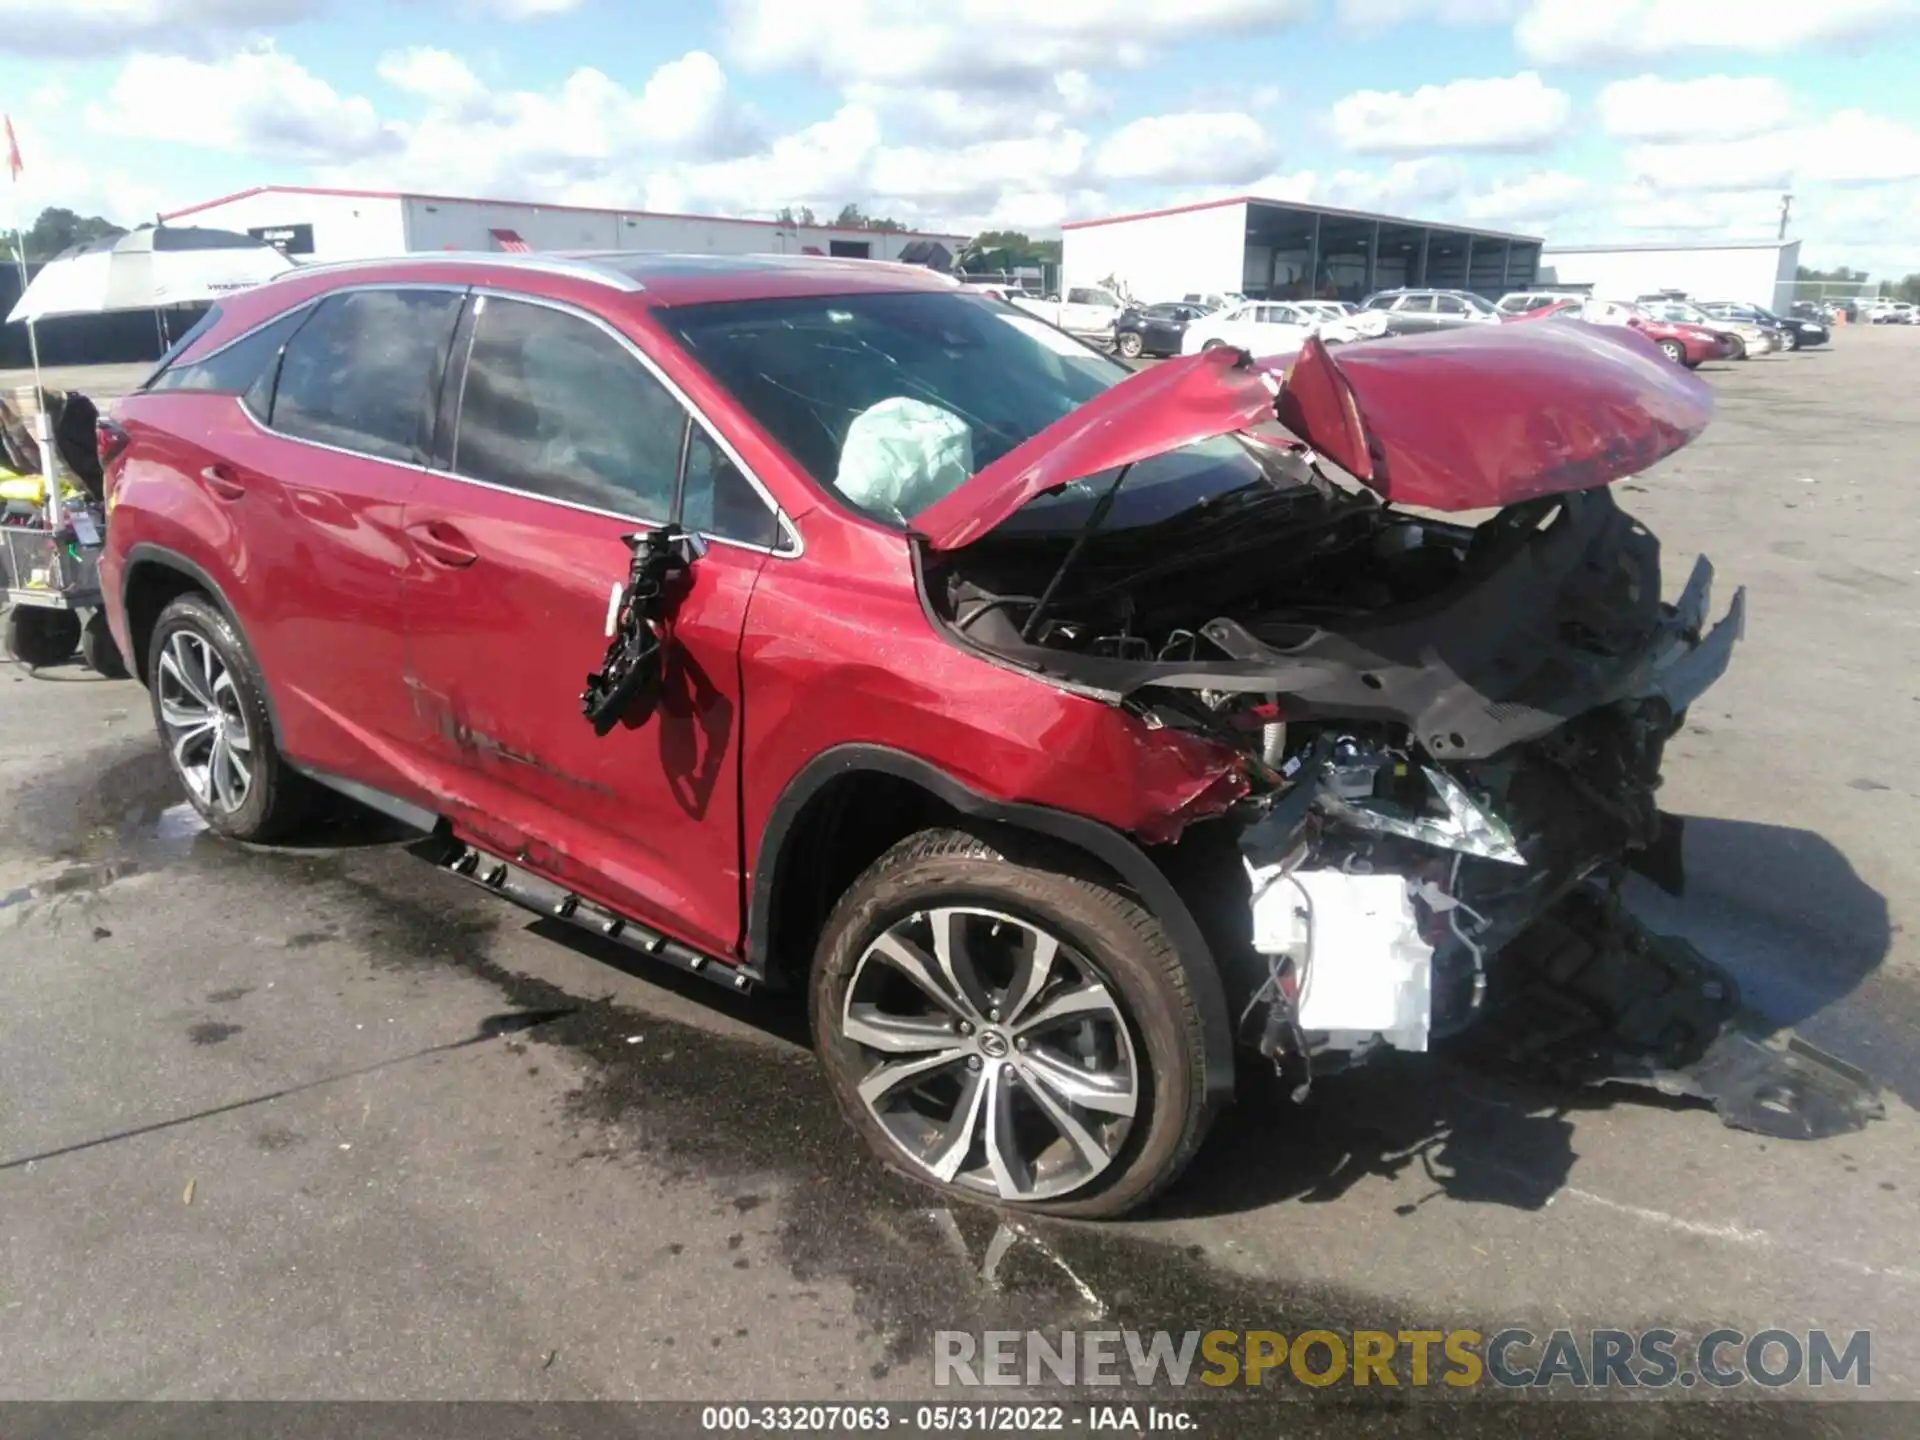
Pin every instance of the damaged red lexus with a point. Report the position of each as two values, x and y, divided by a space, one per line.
1066 736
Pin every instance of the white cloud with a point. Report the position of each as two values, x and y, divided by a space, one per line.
1532 199
1520 112
970 44
1208 147
1406 187
924 112
1714 107
588 136
1847 148
88 29
430 74
52 175
1382 14
1558 32
255 102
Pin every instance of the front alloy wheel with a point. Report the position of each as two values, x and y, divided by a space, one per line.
997 1020
205 724
1129 345
999 1059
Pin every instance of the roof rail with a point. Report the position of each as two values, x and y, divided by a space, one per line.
578 267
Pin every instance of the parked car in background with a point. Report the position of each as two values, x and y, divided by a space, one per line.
1688 345
1212 300
1891 312
1415 312
1089 310
1153 329
1797 331
1520 302
1260 327
935 665
1754 339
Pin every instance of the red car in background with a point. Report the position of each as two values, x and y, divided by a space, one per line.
1688 345
1049 726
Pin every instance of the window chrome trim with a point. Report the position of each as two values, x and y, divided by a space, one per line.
310 303
791 544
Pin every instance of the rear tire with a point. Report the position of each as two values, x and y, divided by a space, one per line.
1097 1067
210 707
98 649
38 637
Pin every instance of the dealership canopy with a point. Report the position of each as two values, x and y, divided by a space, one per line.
148 269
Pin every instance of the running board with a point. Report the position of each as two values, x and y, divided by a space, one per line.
556 902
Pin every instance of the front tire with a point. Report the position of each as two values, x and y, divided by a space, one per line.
1789 342
1129 345
1674 351
999 1022
210 707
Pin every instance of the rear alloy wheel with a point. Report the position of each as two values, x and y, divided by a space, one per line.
1010 1032
210 708
1674 351
1129 345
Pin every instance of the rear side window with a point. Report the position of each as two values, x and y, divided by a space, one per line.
363 373
234 368
1417 305
1449 305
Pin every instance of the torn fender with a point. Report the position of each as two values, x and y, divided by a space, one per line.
1475 418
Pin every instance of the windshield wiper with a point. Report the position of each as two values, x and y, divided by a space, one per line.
1094 521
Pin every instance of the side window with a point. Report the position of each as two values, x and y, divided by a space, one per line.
234 369
719 500
1082 297
364 372
1449 305
555 406
1416 305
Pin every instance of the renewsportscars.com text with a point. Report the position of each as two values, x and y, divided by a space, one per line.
1512 1358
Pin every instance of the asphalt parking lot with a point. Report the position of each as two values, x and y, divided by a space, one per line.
271 1127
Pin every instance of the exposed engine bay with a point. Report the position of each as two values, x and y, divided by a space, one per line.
1452 736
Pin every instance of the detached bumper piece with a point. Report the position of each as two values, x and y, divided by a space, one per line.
1589 996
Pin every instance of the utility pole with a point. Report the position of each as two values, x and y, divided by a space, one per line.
1786 210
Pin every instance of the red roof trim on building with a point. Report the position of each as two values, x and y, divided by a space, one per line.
530 205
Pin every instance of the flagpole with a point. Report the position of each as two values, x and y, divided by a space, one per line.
42 422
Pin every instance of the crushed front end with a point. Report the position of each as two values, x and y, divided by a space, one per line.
1451 737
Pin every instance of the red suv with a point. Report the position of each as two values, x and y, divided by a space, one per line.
1061 731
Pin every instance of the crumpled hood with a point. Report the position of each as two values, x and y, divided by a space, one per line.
1474 418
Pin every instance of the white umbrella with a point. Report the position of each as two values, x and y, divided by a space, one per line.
148 269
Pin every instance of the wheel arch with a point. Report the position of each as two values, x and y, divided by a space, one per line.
154 578
786 902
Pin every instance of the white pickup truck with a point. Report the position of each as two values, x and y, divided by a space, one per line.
1088 311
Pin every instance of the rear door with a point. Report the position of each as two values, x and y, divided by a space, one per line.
564 440
307 474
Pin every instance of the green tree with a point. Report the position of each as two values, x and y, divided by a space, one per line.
1842 276
992 251
1908 289
789 216
852 217
58 229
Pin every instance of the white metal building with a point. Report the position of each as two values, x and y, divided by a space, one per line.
320 225
1755 274
1279 250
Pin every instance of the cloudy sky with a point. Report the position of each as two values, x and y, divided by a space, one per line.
1586 120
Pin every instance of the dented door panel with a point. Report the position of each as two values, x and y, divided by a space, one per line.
644 819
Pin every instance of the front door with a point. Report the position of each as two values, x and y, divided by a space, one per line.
566 441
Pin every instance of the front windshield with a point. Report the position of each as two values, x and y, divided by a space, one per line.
889 401
1682 311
